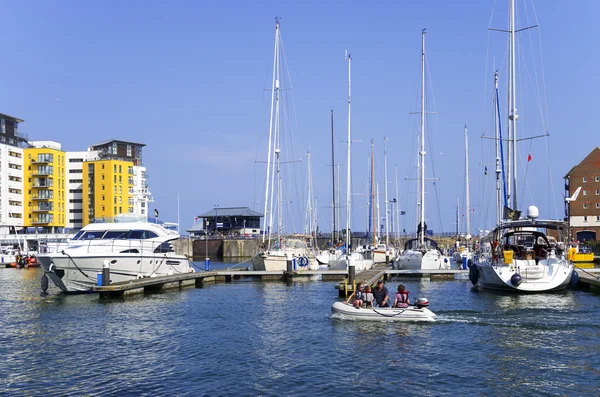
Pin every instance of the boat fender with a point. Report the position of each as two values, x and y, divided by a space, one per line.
303 261
516 279
474 275
574 279
44 283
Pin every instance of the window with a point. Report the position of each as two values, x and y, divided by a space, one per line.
115 200
584 179
120 200
102 166
120 180
103 208
115 178
75 171
76 201
3 126
128 150
597 192
103 197
78 211
102 187
114 148
75 160
120 210
120 169
75 180
75 190
585 218
598 179
102 176
114 189
584 205
585 192
597 218
115 168
597 205
15 154
115 210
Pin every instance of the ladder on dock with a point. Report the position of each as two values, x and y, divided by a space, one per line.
367 277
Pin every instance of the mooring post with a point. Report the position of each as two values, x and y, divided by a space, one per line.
105 272
351 274
289 269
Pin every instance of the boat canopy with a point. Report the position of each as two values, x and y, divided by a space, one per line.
413 244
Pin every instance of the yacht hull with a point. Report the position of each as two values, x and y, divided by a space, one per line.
546 278
80 273
415 259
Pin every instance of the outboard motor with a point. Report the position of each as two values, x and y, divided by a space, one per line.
421 303
516 279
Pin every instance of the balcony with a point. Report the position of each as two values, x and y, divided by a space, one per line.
41 221
42 197
44 173
42 160
43 185
42 208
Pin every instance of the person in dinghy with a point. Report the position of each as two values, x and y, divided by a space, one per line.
358 296
401 298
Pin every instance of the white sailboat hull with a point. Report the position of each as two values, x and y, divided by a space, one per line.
409 314
547 276
416 259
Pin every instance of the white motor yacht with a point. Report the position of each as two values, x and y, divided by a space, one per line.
133 249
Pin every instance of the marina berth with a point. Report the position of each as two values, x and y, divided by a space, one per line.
134 250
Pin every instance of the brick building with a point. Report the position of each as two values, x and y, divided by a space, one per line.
583 214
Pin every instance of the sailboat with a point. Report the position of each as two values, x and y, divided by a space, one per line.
383 252
422 252
520 254
334 253
464 252
295 248
360 257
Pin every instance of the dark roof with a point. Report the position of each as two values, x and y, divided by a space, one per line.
104 143
230 211
6 116
573 168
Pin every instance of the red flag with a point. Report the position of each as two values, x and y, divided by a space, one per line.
529 157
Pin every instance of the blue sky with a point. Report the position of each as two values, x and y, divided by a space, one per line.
189 79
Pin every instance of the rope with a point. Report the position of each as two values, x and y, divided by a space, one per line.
386 315
588 273
77 267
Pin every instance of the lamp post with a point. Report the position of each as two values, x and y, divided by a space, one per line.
207 258
216 219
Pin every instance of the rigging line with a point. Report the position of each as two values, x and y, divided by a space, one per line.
550 181
537 83
431 148
487 50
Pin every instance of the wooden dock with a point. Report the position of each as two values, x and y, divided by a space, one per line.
589 279
199 279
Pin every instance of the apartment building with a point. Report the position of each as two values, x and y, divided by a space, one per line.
583 214
75 187
11 173
44 186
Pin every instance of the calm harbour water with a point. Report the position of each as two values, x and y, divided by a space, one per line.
269 338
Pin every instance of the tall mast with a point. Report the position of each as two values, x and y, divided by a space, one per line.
309 220
467 198
348 187
274 93
513 103
397 228
387 225
333 239
422 149
373 203
457 217
498 169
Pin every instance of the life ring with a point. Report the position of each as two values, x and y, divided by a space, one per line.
303 261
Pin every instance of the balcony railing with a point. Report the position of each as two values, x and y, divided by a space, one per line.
48 174
38 221
42 208
41 197
43 185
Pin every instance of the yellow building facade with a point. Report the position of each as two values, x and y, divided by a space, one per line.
107 189
44 187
